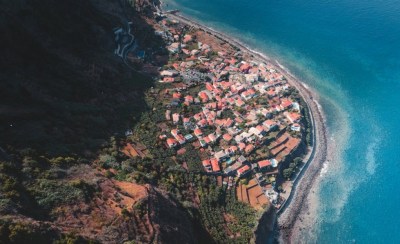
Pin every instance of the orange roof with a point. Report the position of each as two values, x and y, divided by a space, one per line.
260 128
177 95
286 103
171 141
227 137
209 86
203 96
294 116
243 169
264 163
215 165
206 162
244 67
269 122
169 79
189 98
233 148
249 148
198 132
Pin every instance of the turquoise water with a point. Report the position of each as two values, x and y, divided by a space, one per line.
349 52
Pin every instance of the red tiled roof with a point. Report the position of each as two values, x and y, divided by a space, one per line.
264 163
243 169
198 132
215 165
227 137
249 148
206 162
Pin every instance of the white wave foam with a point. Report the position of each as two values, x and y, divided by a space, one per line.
370 156
324 170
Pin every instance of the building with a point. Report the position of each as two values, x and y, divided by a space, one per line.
215 165
198 132
221 155
293 117
295 127
243 171
171 142
207 165
175 118
264 164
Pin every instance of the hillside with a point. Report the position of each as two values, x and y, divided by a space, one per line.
63 89
64 94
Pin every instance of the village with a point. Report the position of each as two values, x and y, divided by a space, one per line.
238 114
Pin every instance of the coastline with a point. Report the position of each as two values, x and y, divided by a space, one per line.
288 220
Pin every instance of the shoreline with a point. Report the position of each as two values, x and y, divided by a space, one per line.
289 215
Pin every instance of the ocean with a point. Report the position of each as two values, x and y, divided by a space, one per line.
348 51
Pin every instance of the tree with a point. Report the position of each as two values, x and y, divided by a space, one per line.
287 173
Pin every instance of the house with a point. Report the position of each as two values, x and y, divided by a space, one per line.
202 123
269 124
227 137
232 149
285 104
176 95
254 131
242 146
187 38
174 132
244 67
203 96
264 164
212 137
295 127
207 140
242 159
228 122
168 80
296 106
243 171
175 118
215 165
248 94
260 130
189 99
174 47
180 139
207 165
168 115
221 155
249 148
170 73
198 132
172 142
293 117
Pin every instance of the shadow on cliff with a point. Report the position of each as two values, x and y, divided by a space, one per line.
63 90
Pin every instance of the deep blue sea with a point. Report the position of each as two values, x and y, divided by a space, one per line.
349 52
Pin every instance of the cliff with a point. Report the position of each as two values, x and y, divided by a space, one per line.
60 77
64 94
